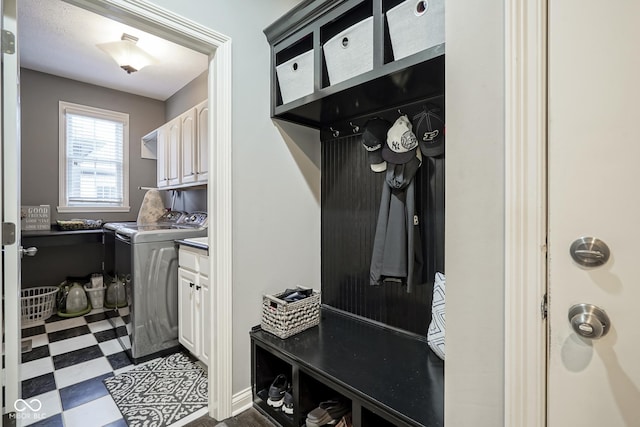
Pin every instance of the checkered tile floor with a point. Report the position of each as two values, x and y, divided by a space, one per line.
66 366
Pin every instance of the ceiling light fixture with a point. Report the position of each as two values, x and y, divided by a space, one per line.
127 54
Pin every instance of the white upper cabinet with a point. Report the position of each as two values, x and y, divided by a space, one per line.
202 163
189 150
161 156
182 149
174 152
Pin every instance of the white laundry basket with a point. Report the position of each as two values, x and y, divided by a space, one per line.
37 304
415 25
350 53
296 77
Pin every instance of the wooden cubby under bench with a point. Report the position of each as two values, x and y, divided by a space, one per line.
391 378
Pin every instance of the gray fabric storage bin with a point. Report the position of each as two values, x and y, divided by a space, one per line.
350 52
296 77
415 25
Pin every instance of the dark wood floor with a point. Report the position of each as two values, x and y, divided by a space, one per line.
248 418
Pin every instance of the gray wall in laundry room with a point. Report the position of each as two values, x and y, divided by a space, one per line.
189 96
40 94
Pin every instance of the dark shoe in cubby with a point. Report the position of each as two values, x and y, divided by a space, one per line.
287 407
277 391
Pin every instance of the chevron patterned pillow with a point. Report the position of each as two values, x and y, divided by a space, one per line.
435 334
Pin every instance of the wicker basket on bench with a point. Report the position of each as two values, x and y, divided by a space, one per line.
284 319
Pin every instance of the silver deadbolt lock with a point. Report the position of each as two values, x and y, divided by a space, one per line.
589 252
589 321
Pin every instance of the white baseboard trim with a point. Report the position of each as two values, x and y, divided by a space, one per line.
241 401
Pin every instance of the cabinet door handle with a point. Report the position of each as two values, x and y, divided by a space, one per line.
191 285
198 287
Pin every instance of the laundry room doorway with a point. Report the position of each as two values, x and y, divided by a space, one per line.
169 26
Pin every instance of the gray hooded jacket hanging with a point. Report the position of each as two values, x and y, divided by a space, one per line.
397 251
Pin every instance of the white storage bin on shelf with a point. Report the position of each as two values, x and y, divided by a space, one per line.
296 77
415 25
350 53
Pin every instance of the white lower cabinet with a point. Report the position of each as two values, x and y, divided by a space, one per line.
194 313
205 320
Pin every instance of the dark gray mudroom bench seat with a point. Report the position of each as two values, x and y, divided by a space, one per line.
391 378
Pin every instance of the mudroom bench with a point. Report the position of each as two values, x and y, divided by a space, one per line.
390 378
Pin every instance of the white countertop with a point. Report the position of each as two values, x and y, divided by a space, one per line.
196 242
199 240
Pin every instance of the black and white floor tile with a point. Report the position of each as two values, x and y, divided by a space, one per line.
65 368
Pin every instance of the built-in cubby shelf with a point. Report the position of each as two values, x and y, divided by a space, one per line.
366 365
390 82
369 349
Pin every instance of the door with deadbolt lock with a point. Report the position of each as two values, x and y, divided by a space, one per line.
594 214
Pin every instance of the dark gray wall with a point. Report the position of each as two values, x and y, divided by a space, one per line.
189 96
40 94
186 200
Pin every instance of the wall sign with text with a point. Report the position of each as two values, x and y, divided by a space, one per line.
35 217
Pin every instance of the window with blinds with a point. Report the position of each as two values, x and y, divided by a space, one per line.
94 146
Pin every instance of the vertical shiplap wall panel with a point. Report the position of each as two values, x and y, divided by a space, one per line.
351 194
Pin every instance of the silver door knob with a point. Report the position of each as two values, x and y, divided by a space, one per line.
32 251
589 321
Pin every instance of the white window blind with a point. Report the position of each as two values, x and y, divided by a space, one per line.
93 163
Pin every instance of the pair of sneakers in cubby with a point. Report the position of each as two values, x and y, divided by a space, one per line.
330 412
280 395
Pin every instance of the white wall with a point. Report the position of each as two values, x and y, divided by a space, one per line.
276 177
474 235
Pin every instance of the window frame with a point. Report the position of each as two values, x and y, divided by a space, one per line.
65 107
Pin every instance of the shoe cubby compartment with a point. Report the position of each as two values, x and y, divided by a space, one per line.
382 82
265 368
369 418
312 392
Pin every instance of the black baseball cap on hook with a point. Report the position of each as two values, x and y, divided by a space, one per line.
373 138
430 129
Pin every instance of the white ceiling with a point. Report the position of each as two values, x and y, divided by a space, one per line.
57 38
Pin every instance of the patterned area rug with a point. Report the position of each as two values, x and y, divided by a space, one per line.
161 392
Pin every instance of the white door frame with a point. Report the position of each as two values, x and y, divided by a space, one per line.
163 23
525 212
10 211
